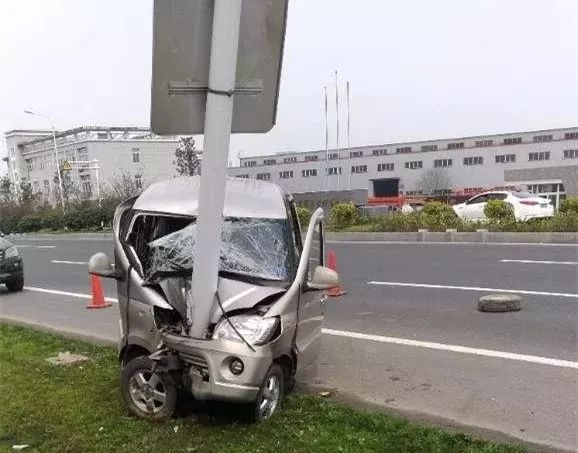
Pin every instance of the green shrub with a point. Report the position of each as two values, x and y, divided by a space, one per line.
570 204
499 210
304 215
343 215
30 222
564 222
52 220
438 209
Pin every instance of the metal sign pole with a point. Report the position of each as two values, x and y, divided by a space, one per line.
218 120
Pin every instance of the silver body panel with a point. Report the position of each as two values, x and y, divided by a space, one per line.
298 308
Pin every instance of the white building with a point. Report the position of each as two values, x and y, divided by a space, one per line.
134 151
545 161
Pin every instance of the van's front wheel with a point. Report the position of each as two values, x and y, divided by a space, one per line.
270 394
148 394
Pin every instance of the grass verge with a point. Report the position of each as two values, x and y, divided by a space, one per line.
78 409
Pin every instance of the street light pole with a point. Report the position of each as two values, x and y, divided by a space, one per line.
56 159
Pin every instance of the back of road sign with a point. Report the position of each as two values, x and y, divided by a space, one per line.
181 53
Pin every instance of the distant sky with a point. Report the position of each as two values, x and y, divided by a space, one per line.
418 69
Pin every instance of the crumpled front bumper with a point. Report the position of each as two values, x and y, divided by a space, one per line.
210 376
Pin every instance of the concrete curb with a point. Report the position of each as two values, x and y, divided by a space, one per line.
452 236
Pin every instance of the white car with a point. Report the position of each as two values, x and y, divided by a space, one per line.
526 205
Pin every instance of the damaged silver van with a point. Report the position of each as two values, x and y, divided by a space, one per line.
265 326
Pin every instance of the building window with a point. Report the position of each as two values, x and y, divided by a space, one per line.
286 174
269 161
379 152
311 158
289 160
505 158
513 141
567 136
385 167
571 154
264 176
332 171
543 138
359 169
250 163
426 148
477 160
86 183
456 145
333 156
102 135
414 165
542 155
356 154
309 173
243 176
403 150
439 163
484 142
138 181
135 155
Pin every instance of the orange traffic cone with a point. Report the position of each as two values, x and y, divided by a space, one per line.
338 290
97 294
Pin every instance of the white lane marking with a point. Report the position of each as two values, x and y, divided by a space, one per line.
537 244
66 293
68 262
476 288
455 348
392 340
569 263
231 300
22 246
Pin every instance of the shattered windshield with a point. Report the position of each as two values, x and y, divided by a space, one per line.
250 247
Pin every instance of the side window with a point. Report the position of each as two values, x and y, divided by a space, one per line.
498 196
479 199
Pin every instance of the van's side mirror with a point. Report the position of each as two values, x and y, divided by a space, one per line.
323 278
99 264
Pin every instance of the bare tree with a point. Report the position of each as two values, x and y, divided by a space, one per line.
187 157
70 190
434 181
123 185
6 190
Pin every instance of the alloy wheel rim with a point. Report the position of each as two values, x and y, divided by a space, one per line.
147 391
270 397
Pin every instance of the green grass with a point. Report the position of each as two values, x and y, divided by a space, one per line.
78 409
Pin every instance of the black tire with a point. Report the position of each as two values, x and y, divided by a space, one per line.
257 413
15 285
143 397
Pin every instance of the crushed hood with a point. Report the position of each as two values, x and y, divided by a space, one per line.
233 294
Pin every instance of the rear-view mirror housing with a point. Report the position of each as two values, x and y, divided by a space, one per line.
323 278
100 265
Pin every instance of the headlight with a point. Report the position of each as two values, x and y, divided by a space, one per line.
255 329
11 252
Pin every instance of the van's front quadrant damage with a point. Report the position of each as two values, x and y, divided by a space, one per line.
265 323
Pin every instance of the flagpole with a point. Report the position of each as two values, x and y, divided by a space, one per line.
348 135
326 176
337 131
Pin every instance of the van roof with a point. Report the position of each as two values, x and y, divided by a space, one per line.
243 198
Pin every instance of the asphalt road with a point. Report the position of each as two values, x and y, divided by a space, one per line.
395 341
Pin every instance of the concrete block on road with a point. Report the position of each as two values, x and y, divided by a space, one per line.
500 303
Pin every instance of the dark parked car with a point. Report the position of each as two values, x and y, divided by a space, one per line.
11 268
